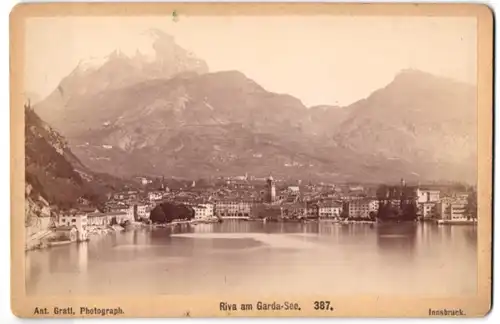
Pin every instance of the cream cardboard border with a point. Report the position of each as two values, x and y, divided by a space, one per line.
208 306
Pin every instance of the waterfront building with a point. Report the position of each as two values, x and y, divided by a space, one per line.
312 210
98 219
74 219
427 209
108 218
362 208
142 211
329 210
427 196
452 209
203 211
128 210
233 208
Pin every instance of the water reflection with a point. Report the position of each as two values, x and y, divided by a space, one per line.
397 239
470 236
82 253
263 258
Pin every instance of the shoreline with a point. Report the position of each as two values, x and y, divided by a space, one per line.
312 221
48 242
99 231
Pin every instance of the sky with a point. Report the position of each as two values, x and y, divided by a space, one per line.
334 60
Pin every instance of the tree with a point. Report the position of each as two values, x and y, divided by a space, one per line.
382 192
157 215
167 212
410 211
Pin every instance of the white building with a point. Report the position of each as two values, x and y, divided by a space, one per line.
106 219
427 209
142 211
233 208
155 195
294 189
203 211
362 208
78 220
427 196
452 209
329 210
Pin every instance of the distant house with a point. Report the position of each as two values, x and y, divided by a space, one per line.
126 195
427 196
142 211
329 210
356 188
109 218
123 209
452 209
428 209
233 208
155 195
361 208
203 211
312 210
83 201
75 219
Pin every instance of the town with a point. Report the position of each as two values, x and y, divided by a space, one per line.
265 199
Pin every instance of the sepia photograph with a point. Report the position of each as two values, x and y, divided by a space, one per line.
176 153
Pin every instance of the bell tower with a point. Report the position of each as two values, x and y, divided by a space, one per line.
271 190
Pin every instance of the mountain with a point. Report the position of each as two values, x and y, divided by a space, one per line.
420 118
32 97
215 122
175 118
54 175
327 118
160 58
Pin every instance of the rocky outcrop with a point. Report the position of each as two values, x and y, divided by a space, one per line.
54 179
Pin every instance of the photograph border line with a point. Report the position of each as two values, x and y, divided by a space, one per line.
208 306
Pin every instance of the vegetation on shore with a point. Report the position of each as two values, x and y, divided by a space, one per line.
167 212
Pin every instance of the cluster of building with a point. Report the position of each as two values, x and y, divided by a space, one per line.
240 198
244 198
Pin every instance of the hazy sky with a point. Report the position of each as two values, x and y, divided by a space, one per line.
319 59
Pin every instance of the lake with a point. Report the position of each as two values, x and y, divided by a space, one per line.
252 257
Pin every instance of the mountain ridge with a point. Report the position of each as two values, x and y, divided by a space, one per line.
195 121
54 175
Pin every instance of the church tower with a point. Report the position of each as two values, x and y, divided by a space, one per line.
271 190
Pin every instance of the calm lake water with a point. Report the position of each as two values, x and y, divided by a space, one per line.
250 257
